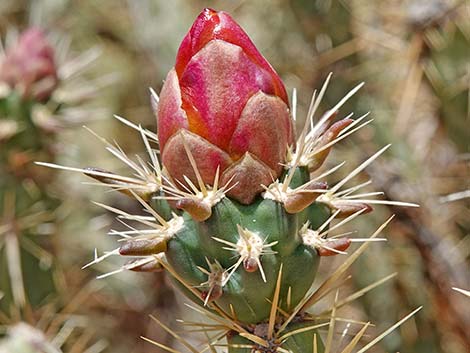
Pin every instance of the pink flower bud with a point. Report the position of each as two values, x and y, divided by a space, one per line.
226 102
29 66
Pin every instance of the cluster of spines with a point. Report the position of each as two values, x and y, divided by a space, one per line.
271 336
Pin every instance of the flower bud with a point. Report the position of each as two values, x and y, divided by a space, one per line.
231 106
29 66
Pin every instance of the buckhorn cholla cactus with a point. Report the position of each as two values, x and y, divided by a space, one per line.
28 76
38 99
223 119
235 216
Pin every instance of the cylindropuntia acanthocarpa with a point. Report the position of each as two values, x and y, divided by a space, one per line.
39 97
237 212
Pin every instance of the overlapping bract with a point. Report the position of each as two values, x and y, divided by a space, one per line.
29 66
228 105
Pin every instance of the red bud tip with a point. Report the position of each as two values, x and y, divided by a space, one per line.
225 94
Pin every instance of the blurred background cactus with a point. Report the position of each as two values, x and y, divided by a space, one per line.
43 93
413 56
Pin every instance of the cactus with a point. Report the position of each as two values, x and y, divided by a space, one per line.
28 76
238 211
36 80
37 101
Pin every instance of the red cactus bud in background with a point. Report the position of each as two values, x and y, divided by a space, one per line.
227 104
29 66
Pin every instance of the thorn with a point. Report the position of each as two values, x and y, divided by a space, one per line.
360 168
335 247
274 304
462 291
202 186
151 135
348 208
294 105
152 265
386 332
106 178
326 121
154 100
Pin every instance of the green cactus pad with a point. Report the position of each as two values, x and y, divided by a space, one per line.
246 293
